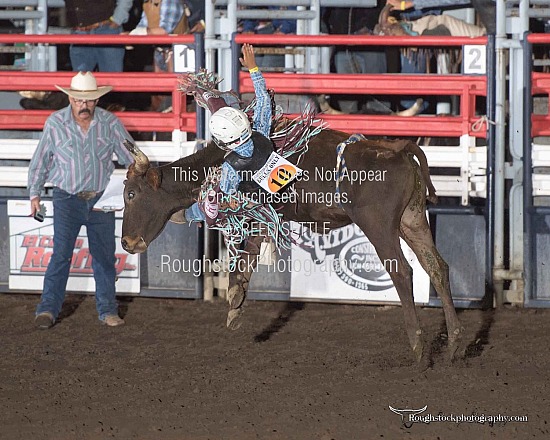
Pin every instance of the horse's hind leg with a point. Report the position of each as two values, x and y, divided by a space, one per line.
238 282
416 232
384 237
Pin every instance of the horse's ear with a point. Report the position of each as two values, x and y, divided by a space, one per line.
154 177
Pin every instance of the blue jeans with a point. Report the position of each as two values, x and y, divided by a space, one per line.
361 61
264 62
416 63
70 213
106 58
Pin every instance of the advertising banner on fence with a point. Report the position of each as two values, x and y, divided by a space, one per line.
343 265
31 246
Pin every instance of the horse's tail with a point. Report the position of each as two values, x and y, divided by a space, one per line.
424 170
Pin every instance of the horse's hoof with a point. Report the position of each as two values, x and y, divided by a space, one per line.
234 318
456 347
418 352
456 352
423 364
236 296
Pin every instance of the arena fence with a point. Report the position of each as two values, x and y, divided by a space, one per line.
536 180
468 159
178 122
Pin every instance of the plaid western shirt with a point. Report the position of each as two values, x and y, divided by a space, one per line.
170 12
74 161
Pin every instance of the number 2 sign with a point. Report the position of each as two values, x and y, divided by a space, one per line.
475 59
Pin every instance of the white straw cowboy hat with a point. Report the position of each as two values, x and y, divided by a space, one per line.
84 86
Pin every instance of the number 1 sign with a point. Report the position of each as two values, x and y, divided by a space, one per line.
184 58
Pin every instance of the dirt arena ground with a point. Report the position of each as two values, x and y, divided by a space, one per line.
293 371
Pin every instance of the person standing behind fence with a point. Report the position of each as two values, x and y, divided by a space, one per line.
485 8
75 154
164 17
357 59
194 11
276 26
102 17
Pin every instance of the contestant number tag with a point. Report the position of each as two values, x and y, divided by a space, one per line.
276 173
280 176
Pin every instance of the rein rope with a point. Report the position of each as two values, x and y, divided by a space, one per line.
341 165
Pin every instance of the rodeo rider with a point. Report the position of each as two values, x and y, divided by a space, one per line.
247 149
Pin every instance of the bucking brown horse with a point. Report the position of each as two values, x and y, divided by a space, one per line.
384 210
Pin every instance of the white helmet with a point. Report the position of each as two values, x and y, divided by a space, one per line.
229 128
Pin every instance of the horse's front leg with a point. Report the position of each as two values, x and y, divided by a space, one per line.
239 279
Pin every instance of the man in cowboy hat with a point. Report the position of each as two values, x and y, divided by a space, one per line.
75 155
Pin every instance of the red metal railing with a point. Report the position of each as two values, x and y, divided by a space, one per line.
540 124
466 87
355 40
449 126
540 86
121 82
178 119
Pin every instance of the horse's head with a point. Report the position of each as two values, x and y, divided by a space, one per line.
148 202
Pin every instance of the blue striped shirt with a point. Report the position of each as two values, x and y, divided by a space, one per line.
74 161
122 11
170 13
261 122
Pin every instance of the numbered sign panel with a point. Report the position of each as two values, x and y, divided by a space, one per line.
184 58
475 59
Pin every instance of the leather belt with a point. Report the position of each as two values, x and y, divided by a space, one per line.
92 26
86 195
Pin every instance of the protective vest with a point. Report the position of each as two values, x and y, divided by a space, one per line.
263 147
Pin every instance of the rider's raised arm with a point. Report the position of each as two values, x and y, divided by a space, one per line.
262 110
